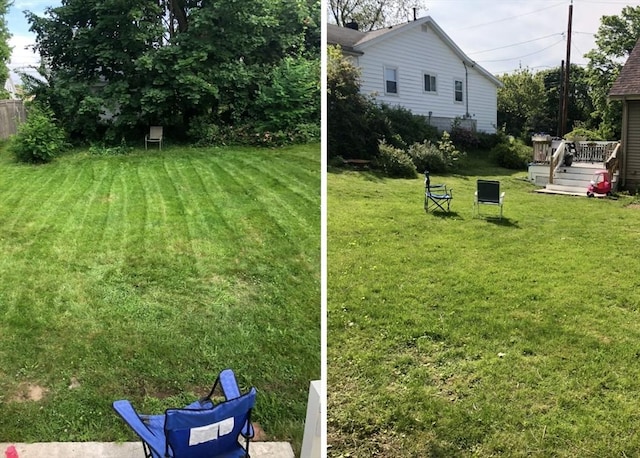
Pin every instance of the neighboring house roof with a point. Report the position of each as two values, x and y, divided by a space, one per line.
10 88
628 81
356 42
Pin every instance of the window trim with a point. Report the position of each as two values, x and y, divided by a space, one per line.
455 91
385 80
430 75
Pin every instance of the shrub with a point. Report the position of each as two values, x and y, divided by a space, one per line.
449 152
465 139
409 127
394 162
290 96
427 156
39 139
583 134
511 155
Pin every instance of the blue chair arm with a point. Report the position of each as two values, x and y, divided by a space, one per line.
131 417
231 390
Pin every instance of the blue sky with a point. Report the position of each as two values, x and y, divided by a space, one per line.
19 28
504 35
501 35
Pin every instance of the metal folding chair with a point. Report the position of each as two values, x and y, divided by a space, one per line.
436 195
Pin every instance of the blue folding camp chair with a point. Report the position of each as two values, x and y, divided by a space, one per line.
436 195
201 429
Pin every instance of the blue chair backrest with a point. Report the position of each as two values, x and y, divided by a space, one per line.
208 432
488 191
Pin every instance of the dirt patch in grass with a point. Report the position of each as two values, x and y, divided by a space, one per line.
635 206
29 392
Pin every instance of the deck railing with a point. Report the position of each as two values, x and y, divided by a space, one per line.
594 151
612 163
556 160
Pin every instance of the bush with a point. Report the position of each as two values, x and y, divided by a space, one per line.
511 155
488 141
39 139
583 134
449 152
427 156
405 125
394 162
465 139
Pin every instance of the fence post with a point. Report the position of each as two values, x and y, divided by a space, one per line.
312 440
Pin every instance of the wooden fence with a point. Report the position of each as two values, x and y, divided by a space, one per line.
12 114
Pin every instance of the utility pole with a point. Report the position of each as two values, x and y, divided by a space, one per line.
560 100
565 95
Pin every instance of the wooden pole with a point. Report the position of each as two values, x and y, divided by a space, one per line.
560 101
565 107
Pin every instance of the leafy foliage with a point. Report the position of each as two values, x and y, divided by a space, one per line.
511 154
615 39
5 50
116 67
463 138
584 134
39 139
371 14
394 162
449 151
427 156
519 107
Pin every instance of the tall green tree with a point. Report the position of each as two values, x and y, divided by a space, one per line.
521 103
580 102
5 49
616 37
115 66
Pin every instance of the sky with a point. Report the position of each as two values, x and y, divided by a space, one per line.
500 35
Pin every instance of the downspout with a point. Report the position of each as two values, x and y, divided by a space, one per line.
466 89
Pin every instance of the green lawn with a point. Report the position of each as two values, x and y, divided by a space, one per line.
450 335
142 276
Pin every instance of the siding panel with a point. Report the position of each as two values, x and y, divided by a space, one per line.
632 172
421 50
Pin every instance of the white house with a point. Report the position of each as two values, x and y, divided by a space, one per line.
416 65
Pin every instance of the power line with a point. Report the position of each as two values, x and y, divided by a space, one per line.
516 44
526 55
511 17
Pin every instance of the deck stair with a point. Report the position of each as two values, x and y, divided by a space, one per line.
573 180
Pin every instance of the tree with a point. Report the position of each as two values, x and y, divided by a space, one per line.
580 103
115 66
5 49
521 103
372 14
616 37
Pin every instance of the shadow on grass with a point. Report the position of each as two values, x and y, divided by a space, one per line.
506 222
443 214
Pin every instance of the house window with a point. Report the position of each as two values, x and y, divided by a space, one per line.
458 91
390 80
429 83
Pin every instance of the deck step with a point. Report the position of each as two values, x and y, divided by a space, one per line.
563 189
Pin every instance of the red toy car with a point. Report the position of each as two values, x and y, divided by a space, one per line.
600 184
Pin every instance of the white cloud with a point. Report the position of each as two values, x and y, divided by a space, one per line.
22 57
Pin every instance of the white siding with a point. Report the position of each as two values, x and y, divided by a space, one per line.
414 52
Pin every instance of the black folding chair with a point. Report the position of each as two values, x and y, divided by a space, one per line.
488 193
436 195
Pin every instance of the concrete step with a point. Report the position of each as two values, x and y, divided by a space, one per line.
123 450
563 189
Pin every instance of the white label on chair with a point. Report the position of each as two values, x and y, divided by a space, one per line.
226 427
210 432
